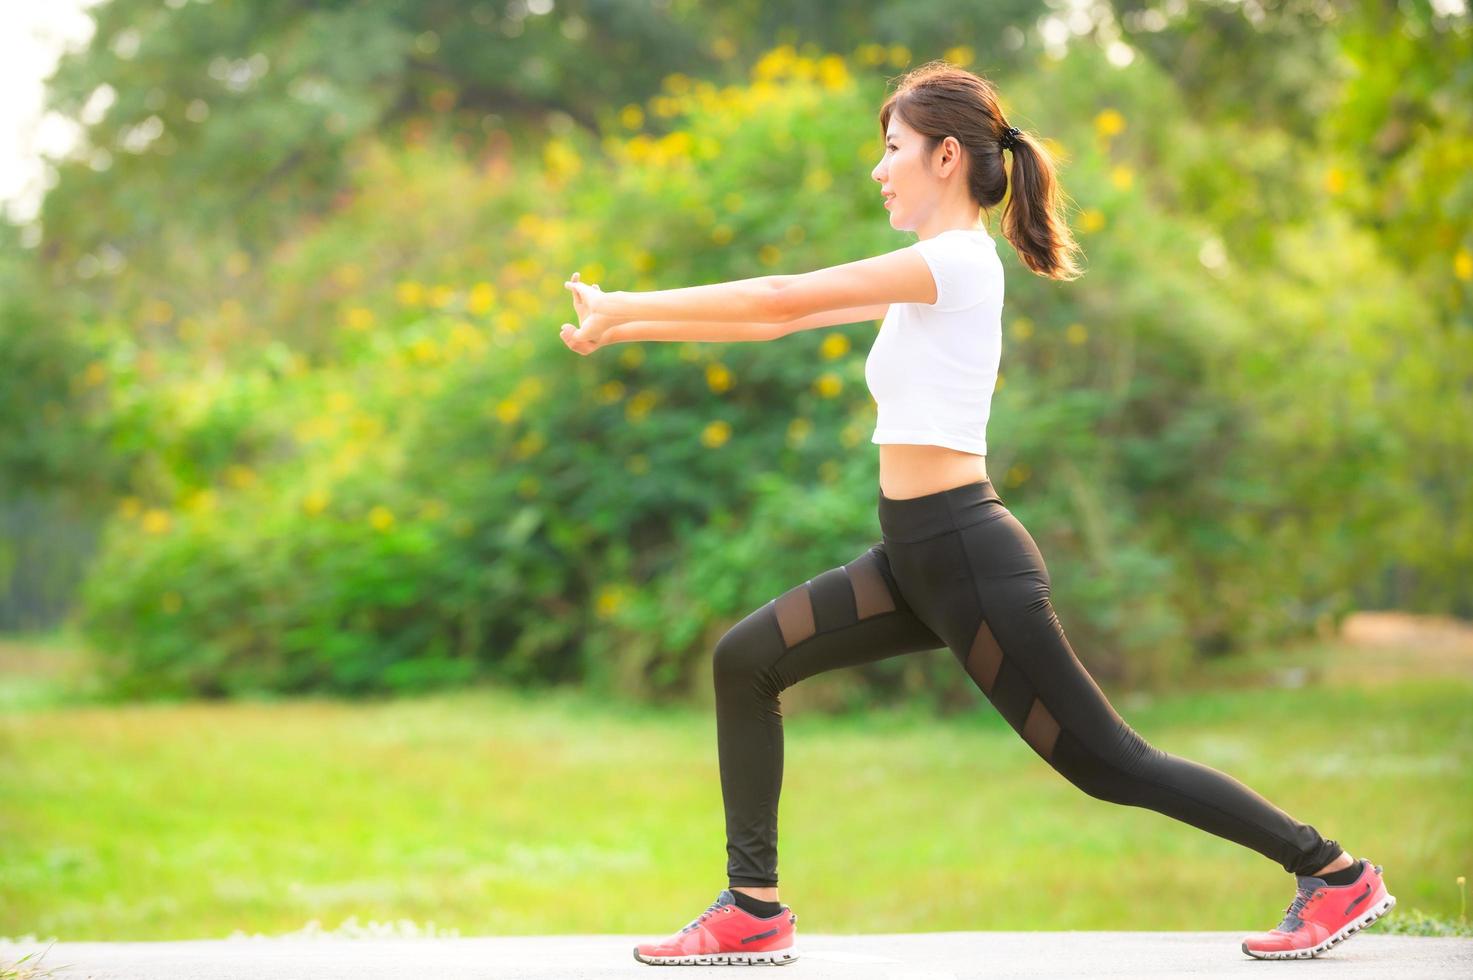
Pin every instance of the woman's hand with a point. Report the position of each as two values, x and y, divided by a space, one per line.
585 297
589 336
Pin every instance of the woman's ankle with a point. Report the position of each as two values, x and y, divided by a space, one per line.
761 894
1339 864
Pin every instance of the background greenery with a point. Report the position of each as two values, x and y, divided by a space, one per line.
285 408
283 412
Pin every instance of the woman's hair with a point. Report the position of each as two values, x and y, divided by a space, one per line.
937 100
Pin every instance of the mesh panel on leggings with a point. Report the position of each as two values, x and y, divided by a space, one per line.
985 658
1041 730
1010 691
871 593
839 597
794 611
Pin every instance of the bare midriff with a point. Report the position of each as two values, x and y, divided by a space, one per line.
913 471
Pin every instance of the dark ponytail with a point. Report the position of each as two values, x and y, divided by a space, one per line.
937 100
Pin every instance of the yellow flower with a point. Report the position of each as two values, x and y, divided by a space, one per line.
1109 122
829 384
360 318
530 445
722 235
170 602
899 55
560 159
425 350
409 293
639 406
482 298
1076 334
718 378
769 254
1017 474
610 598
1121 176
441 296
239 476
834 345
316 501
1092 219
432 509
368 427
95 374
828 470
238 264
833 74
381 517
200 501
610 392
530 387
1463 264
851 434
130 506
798 431
1022 328
508 410
962 54
724 48
633 356
638 463
156 521
631 116
348 275
716 433
339 401
1335 180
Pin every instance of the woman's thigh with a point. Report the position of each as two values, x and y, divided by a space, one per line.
851 614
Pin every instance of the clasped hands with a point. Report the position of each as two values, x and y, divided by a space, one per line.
593 325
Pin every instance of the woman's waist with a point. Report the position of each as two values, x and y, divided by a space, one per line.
912 470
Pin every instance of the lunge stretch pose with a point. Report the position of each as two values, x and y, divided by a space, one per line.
953 568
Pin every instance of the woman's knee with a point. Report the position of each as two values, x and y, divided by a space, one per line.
744 655
1111 772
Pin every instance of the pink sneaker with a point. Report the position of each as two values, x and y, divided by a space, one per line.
1322 915
725 934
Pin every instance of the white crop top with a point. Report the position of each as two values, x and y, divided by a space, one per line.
933 367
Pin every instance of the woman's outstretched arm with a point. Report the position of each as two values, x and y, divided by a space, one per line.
900 276
598 332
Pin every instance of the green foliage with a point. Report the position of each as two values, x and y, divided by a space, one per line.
338 445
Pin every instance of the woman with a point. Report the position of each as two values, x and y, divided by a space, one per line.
954 567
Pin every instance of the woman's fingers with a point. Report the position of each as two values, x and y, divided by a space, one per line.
569 335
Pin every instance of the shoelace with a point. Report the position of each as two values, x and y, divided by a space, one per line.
715 907
1292 920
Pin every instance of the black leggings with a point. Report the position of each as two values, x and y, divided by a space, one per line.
957 569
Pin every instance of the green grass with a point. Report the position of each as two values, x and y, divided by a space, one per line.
487 811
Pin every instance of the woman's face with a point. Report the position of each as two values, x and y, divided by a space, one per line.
905 171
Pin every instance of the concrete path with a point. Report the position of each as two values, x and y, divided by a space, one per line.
911 956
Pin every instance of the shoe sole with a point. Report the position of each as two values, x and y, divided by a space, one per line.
772 957
1346 931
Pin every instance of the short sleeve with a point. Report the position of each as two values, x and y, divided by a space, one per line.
957 267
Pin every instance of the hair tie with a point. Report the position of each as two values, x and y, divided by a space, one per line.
1009 139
